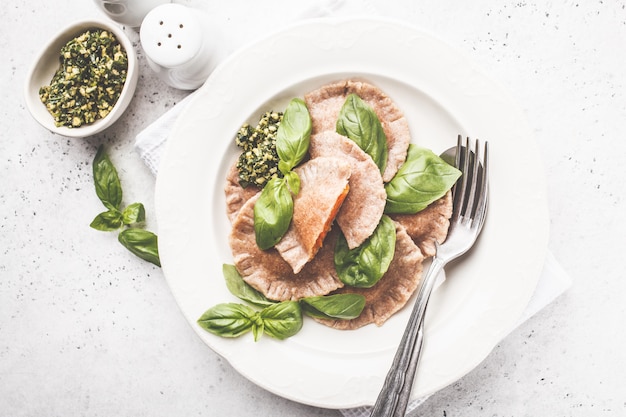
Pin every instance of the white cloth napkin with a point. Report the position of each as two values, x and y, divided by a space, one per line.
150 143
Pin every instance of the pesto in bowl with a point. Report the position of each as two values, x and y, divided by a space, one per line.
83 79
90 78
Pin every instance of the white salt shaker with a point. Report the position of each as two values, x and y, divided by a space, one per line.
179 44
128 12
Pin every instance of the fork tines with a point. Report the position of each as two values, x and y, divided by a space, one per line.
474 175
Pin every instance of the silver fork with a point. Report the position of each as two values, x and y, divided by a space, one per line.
470 195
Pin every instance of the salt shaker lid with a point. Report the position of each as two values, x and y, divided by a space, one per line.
171 35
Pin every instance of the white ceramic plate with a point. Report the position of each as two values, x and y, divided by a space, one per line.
442 94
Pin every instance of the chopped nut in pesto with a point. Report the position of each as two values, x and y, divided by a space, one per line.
258 163
89 81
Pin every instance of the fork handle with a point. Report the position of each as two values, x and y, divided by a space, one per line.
405 394
394 397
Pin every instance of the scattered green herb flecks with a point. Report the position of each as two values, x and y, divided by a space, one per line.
89 81
109 190
258 163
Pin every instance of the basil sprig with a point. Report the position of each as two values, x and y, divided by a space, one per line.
109 190
273 210
279 321
365 265
422 179
276 319
359 122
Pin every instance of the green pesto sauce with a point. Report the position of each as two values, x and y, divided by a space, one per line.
89 81
258 163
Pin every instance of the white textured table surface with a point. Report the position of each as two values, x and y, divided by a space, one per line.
87 329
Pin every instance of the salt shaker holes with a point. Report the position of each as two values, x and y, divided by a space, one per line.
179 45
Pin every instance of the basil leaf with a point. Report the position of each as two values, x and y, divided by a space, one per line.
272 213
142 243
359 122
282 320
365 265
134 213
239 288
293 182
228 319
338 306
423 178
107 221
108 187
293 135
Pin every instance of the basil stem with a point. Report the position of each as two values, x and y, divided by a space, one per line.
142 243
228 319
365 265
107 182
241 289
272 213
336 306
422 179
293 135
359 122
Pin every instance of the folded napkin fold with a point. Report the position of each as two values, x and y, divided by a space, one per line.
150 143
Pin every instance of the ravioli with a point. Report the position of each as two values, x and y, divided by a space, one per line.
393 290
429 225
325 103
323 188
269 273
364 205
342 191
236 195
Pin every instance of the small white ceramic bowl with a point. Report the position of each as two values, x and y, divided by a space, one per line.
46 64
